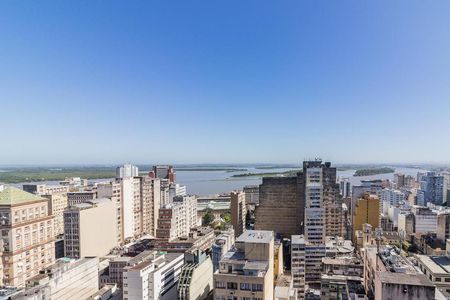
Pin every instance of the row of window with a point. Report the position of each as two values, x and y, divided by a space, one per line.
235 298
254 287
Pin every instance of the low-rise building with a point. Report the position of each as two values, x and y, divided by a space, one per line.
437 269
68 279
389 275
246 270
284 288
153 279
198 237
223 242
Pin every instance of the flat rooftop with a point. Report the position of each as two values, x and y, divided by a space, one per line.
297 239
436 264
256 236
402 278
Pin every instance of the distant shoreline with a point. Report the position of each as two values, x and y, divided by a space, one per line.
373 171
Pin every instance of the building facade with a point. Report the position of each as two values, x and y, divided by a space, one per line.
238 212
247 270
367 211
90 228
153 279
27 234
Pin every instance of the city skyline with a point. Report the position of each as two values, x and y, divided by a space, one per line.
190 83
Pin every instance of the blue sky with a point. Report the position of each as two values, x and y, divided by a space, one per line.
224 81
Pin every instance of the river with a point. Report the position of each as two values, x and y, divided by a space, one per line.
209 182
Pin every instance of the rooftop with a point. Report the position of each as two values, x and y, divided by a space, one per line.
256 236
297 239
15 196
436 264
408 279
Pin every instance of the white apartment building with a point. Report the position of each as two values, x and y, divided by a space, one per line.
155 278
306 263
390 197
127 171
176 219
68 279
131 207
176 189
150 190
314 210
425 220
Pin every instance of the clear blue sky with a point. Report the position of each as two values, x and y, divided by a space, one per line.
224 81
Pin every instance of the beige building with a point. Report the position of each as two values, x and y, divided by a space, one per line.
112 190
27 235
390 275
176 219
90 228
150 199
367 211
196 277
57 202
246 271
131 207
238 212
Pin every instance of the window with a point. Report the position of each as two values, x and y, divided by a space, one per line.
245 286
256 287
220 284
232 285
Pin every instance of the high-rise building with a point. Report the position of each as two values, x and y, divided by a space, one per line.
399 180
238 212
432 189
176 189
247 270
150 190
345 187
306 260
280 207
367 211
113 191
323 203
90 228
127 170
27 235
390 197
164 172
251 194
131 207
443 227
153 279
308 203
176 219
425 220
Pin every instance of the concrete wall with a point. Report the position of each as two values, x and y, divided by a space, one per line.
98 230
